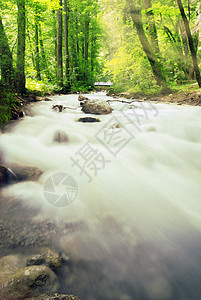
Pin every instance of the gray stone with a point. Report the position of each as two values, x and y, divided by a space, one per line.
97 107
88 120
52 259
82 98
26 172
49 258
60 137
37 259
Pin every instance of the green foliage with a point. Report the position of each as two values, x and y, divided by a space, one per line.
41 87
123 57
7 103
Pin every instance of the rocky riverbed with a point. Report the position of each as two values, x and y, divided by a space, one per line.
133 232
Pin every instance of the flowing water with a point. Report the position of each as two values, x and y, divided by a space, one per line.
128 196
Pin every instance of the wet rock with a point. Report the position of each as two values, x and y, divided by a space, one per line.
53 259
6 176
49 258
57 107
116 125
21 114
35 260
60 137
28 282
82 98
26 173
47 99
97 107
9 265
17 113
88 120
54 297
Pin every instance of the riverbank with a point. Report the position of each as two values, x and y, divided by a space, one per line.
189 95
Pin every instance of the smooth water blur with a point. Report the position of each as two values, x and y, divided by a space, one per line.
140 214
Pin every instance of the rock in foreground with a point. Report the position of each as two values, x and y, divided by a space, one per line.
28 282
26 172
6 176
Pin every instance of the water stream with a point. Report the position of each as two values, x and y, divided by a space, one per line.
127 208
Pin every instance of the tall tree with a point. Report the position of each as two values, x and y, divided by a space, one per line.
157 68
44 64
59 45
20 67
66 44
6 60
86 44
190 42
37 53
152 26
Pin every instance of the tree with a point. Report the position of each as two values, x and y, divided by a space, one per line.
66 44
6 60
152 26
59 45
190 42
157 68
37 54
20 68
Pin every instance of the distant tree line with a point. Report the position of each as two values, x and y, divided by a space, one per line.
53 40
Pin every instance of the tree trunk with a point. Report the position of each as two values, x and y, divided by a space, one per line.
30 44
157 68
44 64
66 38
37 54
86 46
181 60
152 27
59 46
6 60
184 40
20 69
54 16
190 41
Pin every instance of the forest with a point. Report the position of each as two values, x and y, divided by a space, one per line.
66 46
100 145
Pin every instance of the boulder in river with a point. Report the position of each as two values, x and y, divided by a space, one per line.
58 107
26 172
53 259
6 176
49 258
28 282
97 107
60 137
82 98
35 260
88 120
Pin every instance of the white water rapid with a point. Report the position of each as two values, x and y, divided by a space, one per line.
138 207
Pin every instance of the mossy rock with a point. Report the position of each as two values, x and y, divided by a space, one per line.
28 282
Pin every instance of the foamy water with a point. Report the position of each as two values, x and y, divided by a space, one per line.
140 198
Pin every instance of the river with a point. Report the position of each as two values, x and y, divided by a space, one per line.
121 197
